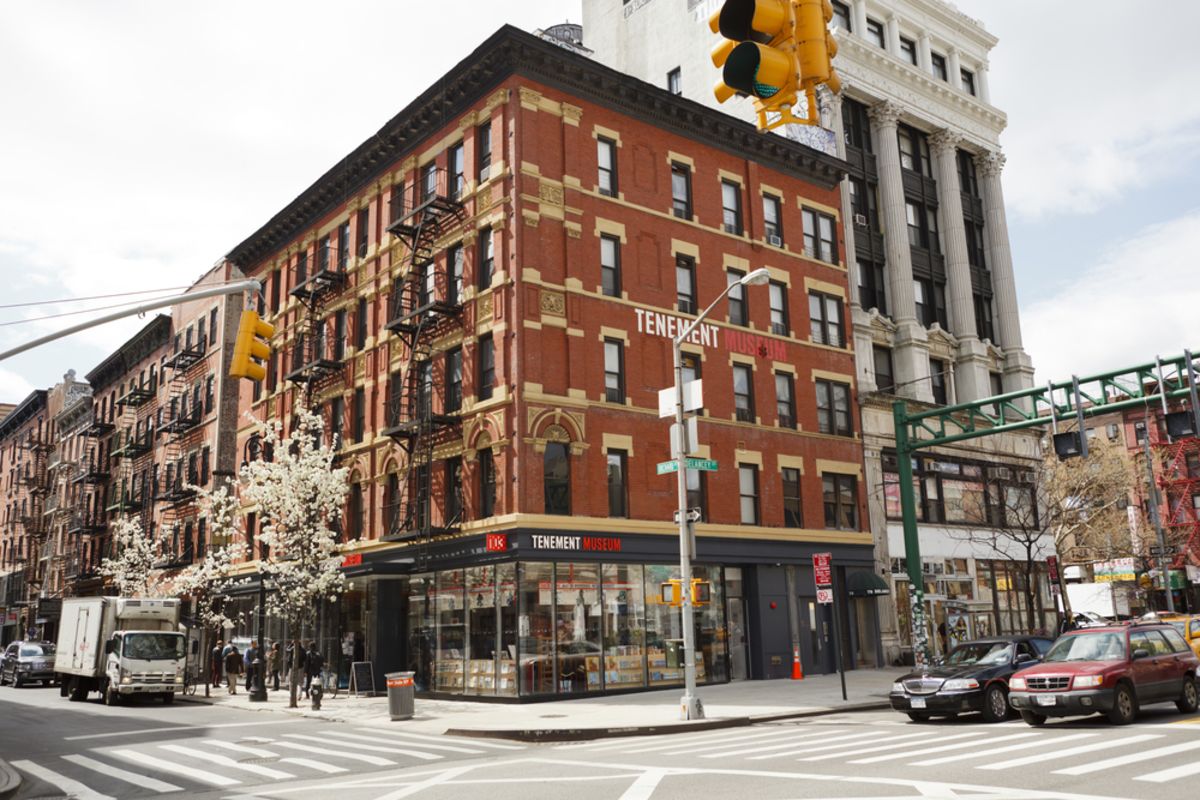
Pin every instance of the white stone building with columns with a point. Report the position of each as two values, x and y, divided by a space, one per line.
935 318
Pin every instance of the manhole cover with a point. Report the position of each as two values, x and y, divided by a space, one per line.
552 716
270 760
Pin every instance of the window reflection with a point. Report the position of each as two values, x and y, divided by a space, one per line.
577 627
624 626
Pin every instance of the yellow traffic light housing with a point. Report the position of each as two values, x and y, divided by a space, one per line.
252 347
671 592
701 592
772 51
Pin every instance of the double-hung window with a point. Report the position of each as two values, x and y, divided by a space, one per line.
486 360
937 381
454 378
937 64
731 207
486 258
614 371
792 514
487 483
606 158
483 150
908 50
826 323
743 393
772 220
779 314
833 408
454 266
875 33
819 241
748 493
618 491
685 284
363 228
739 309
458 178
610 266
681 190
841 501
785 399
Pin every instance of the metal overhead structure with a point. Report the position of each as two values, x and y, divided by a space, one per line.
1076 399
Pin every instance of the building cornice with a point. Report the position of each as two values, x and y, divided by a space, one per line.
949 15
512 52
29 407
155 334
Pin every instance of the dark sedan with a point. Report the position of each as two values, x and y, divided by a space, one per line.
27 661
973 677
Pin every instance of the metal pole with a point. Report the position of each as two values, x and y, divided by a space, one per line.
837 631
689 706
912 541
1191 381
258 691
200 294
1157 520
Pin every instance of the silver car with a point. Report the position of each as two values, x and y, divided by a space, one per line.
23 662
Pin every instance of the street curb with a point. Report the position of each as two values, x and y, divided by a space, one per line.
586 734
10 780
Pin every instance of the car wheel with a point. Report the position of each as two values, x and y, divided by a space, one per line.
1124 706
1189 701
918 716
995 704
111 697
17 681
1036 720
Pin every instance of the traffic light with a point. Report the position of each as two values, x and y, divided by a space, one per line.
252 348
773 50
671 592
701 592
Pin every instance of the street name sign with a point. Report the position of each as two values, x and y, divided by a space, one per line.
701 464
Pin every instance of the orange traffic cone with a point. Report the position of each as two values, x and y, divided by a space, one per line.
797 669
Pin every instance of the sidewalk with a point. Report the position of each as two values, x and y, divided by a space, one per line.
643 713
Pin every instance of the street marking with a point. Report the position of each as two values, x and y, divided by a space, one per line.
123 774
714 743
227 762
839 746
930 762
852 749
939 749
72 787
319 766
750 746
456 740
790 749
1171 774
1070 751
174 728
325 751
241 748
373 748
204 776
413 788
1131 758
645 784
359 737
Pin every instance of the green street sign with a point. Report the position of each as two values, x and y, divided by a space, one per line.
702 464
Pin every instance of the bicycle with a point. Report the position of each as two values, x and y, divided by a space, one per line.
189 681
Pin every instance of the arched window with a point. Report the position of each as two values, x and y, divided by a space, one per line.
391 503
557 478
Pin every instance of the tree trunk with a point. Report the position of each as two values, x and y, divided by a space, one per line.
1031 595
293 686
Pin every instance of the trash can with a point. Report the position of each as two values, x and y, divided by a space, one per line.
401 694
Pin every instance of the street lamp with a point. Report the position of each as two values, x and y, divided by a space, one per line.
690 707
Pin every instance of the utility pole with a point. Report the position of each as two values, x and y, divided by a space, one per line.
1153 499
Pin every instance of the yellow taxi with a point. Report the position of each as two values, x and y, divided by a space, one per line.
1189 626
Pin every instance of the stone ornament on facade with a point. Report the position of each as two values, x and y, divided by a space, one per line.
990 165
885 114
549 193
944 141
553 303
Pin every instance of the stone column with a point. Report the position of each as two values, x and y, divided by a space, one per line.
971 364
858 18
925 54
981 84
909 353
892 29
954 68
1018 369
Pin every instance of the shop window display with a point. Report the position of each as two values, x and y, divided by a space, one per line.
535 628
448 666
421 630
624 626
577 627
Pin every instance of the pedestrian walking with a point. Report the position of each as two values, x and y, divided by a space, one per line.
233 667
252 655
314 662
214 662
276 662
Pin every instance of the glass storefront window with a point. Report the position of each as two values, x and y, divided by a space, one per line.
624 626
577 627
664 631
506 598
535 628
481 630
448 666
421 630
711 637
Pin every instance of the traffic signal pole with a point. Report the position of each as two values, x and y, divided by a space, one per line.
252 285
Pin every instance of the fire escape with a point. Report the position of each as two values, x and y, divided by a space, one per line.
317 359
86 518
1178 477
425 308
33 476
180 468
133 450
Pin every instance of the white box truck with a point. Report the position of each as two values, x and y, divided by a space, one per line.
120 646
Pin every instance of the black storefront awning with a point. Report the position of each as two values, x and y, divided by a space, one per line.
866 584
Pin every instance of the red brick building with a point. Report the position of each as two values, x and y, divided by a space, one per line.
481 298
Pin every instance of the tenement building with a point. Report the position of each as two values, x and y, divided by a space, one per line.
25 444
932 292
481 298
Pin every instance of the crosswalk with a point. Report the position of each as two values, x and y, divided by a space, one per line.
203 763
1148 757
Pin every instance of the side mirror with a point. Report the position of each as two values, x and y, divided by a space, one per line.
108 647
1140 653
1024 658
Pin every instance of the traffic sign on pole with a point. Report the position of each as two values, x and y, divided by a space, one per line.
700 464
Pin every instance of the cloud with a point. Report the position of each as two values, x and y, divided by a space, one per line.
1139 300
13 387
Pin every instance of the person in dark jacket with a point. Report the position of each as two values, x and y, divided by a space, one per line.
233 668
275 662
314 662
248 662
214 662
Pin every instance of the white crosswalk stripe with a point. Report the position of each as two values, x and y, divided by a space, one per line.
692 747
852 750
357 737
161 764
829 742
310 763
1070 751
374 748
71 786
227 762
458 740
1174 773
325 751
837 745
993 751
921 751
144 781
1130 758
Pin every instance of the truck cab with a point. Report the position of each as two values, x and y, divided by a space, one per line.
146 662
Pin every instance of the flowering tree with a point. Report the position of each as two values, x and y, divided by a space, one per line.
207 581
299 494
132 568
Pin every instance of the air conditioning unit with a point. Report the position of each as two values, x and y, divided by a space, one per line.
860 219
731 229
774 240
485 173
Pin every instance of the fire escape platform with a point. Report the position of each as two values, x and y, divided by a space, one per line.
320 283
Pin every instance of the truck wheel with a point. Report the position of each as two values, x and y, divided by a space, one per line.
111 697
78 690
63 687
168 698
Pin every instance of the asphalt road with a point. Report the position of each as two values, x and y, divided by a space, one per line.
92 752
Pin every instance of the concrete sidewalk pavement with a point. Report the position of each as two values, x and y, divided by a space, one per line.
641 713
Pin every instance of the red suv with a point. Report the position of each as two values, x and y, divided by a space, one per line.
1111 670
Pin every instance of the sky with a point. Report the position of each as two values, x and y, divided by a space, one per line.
141 141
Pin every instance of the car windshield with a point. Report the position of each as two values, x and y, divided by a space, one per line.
1179 625
1088 647
151 646
980 653
34 650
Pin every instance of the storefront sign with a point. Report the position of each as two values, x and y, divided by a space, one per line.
352 560
596 544
709 335
1119 569
496 542
11 618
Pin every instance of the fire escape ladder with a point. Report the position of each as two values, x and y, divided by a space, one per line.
1179 481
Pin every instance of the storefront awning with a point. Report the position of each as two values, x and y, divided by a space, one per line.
866 584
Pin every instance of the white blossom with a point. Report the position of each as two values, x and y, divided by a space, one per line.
132 567
207 582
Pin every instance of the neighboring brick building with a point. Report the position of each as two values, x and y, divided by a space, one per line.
480 297
25 444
